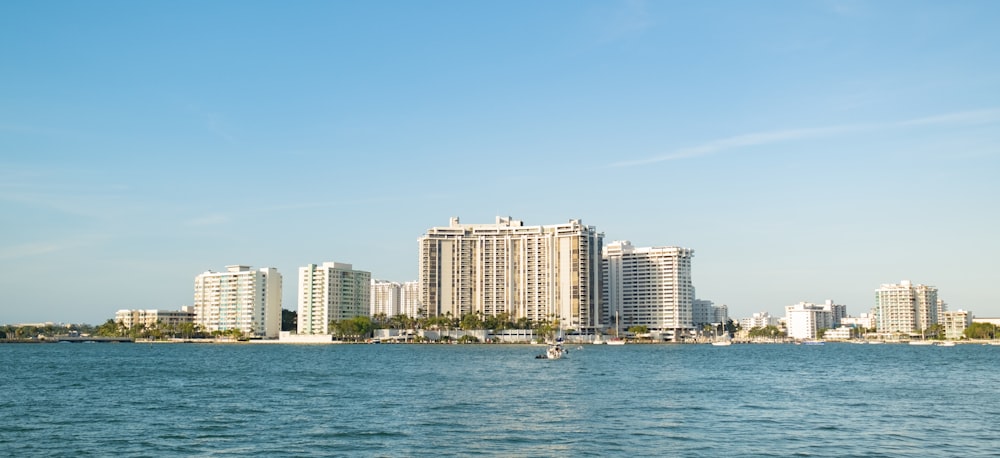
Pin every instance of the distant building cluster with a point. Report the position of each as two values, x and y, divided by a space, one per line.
560 273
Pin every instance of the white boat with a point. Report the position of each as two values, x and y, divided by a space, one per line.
946 343
721 340
922 342
555 351
616 340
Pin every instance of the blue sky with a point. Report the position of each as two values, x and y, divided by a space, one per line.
806 150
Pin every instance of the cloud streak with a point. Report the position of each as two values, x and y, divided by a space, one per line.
779 136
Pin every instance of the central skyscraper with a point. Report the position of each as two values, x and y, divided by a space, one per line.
535 272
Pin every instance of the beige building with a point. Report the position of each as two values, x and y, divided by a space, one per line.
536 272
239 298
954 323
131 318
330 292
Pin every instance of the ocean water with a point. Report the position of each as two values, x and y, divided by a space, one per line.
498 400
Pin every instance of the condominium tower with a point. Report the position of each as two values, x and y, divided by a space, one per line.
648 286
409 299
805 319
905 307
331 292
385 298
536 272
239 298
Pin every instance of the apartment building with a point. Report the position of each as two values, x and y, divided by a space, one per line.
330 292
385 298
954 323
648 286
905 307
239 298
409 299
131 318
549 272
805 319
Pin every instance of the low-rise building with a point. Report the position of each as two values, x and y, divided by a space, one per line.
149 318
804 319
954 323
759 320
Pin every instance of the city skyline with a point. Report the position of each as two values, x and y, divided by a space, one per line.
805 150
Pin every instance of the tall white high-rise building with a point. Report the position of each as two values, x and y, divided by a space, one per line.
905 307
535 272
409 299
385 298
649 286
333 291
239 298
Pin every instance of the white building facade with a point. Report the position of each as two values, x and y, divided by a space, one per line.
759 320
805 319
385 298
330 292
543 273
409 299
239 298
905 307
648 286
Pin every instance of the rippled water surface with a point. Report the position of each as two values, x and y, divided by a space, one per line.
407 400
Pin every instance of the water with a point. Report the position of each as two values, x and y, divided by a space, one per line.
459 400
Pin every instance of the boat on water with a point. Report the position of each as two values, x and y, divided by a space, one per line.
813 342
555 351
921 342
946 343
617 340
721 340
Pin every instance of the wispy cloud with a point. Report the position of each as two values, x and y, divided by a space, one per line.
632 17
25 250
31 249
778 136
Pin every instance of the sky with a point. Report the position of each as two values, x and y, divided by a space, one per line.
806 150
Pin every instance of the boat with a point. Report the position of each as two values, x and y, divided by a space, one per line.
921 342
813 342
616 340
722 340
555 351
946 343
